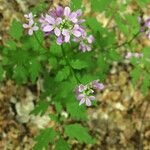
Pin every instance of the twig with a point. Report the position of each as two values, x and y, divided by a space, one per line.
141 128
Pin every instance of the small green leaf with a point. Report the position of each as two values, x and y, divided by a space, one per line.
63 74
40 108
62 145
16 30
78 64
44 138
34 70
76 131
77 112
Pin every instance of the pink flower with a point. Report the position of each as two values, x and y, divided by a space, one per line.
84 93
31 26
63 24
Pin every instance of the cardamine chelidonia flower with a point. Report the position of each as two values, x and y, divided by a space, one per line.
85 93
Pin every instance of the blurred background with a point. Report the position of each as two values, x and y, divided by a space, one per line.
121 121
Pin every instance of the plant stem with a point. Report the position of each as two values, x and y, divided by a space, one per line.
68 63
40 44
125 43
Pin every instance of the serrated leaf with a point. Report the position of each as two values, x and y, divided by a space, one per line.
45 137
16 29
135 74
20 74
77 112
40 108
34 70
63 74
78 132
78 64
62 145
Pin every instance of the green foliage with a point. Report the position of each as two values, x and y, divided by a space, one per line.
63 74
76 4
78 64
45 137
61 68
77 112
100 5
40 108
16 30
62 145
76 131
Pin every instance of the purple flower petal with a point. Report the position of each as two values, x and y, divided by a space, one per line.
57 31
90 39
67 11
80 96
59 40
48 28
35 28
88 102
73 17
82 101
30 32
25 25
92 97
76 33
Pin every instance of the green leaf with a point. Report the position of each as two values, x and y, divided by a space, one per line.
16 30
20 74
11 44
34 69
44 138
63 74
53 62
93 24
76 131
1 73
100 5
36 41
135 74
145 84
62 145
55 49
78 64
76 4
40 108
77 112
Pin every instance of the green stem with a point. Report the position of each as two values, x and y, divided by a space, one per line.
40 44
69 65
127 42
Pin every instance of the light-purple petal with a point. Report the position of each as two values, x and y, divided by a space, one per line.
67 11
48 28
30 32
57 31
88 102
82 101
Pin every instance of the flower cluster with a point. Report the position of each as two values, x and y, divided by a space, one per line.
85 42
31 25
145 26
84 93
134 55
65 24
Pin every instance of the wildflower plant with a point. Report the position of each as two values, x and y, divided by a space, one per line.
71 53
